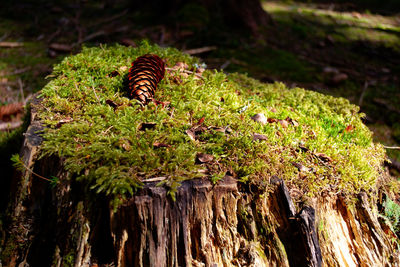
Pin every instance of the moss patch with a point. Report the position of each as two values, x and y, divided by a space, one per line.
314 142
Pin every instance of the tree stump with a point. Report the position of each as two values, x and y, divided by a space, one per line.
223 211
227 224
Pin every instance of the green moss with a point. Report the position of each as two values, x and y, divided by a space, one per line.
392 213
69 259
105 149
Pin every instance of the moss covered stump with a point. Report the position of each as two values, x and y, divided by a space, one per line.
218 170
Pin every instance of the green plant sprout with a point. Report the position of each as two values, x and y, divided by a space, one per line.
20 166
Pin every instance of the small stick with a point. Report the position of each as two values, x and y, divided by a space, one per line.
226 64
94 91
6 126
109 128
155 179
392 147
200 50
11 44
91 36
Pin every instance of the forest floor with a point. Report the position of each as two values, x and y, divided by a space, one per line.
326 48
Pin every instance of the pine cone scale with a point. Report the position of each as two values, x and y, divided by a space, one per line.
144 75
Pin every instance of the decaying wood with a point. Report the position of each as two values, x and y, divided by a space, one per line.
227 224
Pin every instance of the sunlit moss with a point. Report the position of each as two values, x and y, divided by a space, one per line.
105 149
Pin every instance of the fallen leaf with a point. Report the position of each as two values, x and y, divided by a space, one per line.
200 121
200 70
284 123
323 157
198 129
63 121
300 167
204 158
177 80
158 145
111 103
303 148
181 66
203 171
113 74
243 109
125 144
147 125
123 68
194 131
228 129
217 129
191 134
260 117
163 104
257 136
291 121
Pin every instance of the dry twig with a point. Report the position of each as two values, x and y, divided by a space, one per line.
11 44
392 147
6 126
200 50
